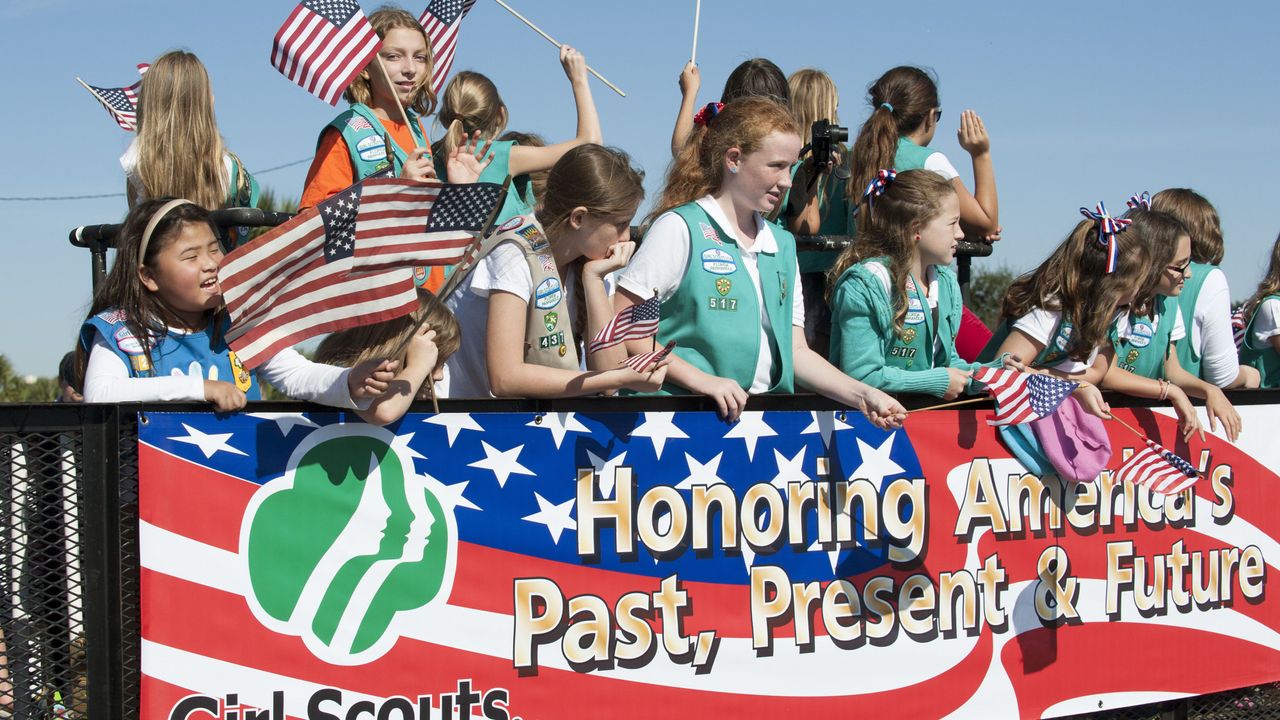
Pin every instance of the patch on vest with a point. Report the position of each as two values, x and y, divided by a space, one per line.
723 303
724 285
371 149
534 235
710 233
909 336
358 123
547 295
550 320
511 224
127 343
915 312
553 340
111 317
718 262
1064 335
1132 357
1141 333
241 376
420 275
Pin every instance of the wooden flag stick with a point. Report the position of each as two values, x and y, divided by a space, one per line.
1129 427
431 390
970 401
553 41
403 115
697 14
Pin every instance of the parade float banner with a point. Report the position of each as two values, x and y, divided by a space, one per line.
658 564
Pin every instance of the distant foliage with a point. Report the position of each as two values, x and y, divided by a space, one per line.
268 200
15 389
986 291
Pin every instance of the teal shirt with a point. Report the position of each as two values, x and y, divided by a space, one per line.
866 347
365 136
910 156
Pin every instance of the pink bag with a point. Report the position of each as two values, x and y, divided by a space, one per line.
1074 442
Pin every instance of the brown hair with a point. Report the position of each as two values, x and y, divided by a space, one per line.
1073 281
180 152
600 179
471 102
348 348
1201 219
145 314
911 201
1160 231
385 19
757 77
536 181
699 167
1270 284
900 101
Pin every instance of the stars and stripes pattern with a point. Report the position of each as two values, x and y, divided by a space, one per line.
120 103
323 45
1159 469
1022 397
1108 229
1239 327
404 223
1139 201
294 282
441 21
631 323
641 362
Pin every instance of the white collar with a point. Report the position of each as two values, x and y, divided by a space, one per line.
765 241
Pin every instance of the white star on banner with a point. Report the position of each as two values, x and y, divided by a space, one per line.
556 518
208 443
826 424
750 428
659 427
701 473
832 555
286 421
454 423
402 442
451 496
876 464
605 470
504 463
559 424
789 471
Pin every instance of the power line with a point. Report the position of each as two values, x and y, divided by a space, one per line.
116 195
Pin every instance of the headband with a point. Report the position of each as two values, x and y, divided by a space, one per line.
879 183
1108 228
707 114
1142 201
887 106
154 221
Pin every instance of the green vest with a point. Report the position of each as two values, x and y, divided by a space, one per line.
910 156
1188 354
916 347
1144 351
714 315
520 200
367 140
837 218
1264 356
243 192
1054 352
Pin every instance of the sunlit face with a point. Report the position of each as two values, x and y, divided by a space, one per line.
404 54
184 273
1177 272
936 241
763 176
596 235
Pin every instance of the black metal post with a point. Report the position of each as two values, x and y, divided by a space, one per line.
100 473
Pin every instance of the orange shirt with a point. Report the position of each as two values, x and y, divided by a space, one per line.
331 171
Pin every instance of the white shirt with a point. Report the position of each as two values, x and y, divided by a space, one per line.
107 380
129 162
663 259
1211 332
505 269
1039 325
1266 322
938 163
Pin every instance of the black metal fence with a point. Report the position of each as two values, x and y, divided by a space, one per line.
69 594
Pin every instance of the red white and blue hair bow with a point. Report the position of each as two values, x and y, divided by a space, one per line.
1142 201
1108 228
879 183
708 113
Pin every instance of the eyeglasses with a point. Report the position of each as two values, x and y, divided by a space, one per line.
1179 269
937 115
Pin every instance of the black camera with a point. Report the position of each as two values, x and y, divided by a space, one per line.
825 138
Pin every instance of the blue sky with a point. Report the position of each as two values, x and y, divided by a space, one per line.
1084 101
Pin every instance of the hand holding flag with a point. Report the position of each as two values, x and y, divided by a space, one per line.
1022 397
631 323
643 361
1159 469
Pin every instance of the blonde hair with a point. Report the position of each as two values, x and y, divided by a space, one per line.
1201 219
385 19
813 98
180 152
348 348
471 102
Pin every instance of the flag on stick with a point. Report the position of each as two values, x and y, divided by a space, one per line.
121 103
1159 469
441 21
323 45
406 223
293 283
644 360
631 323
1022 397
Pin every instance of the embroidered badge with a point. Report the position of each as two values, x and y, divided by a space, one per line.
359 123
908 335
563 351
548 262
127 343
420 275
724 285
710 233
915 312
1141 333
1132 357
723 303
532 233
553 340
718 262
551 319
371 149
242 377
547 295
511 224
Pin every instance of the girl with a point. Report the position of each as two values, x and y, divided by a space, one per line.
728 278
155 331
526 303
1208 350
1143 337
757 77
1261 349
178 151
905 112
436 339
1060 314
472 108
896 304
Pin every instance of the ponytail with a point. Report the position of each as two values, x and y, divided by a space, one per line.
901 101
470 103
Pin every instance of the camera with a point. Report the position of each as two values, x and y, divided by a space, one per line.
825 137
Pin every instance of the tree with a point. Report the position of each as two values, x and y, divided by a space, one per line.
17 389
986 291
268 200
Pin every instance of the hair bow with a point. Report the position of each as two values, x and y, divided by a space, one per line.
1108 228
708 113
879 183
1142 201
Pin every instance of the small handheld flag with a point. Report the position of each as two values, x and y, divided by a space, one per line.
1022 397
642 361
121 103
1158 469
323 45
631 323
441 21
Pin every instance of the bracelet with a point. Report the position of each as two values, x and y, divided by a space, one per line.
1164 389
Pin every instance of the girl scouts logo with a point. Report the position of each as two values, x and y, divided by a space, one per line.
511 224
551 320
1141 334
723 286
718 262
915 312
371 149
547 295
132 348
347 543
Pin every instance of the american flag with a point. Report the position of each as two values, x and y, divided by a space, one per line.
323 45
121 103
1023 397
403 223
441 21
632 323
644 360
1239 327
293 283
1158 469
